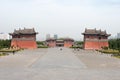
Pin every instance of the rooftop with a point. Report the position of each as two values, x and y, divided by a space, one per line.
24 31
94 31
60 39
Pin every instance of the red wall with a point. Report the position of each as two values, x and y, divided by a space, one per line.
68 44
95 45
52 44
24 44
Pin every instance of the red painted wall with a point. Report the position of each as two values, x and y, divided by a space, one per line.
52 44
24 44
95 45
68 44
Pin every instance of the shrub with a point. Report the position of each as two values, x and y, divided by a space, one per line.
76 47
109 51
42 47
3 54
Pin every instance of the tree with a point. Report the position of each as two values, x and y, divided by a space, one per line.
114 44
5 43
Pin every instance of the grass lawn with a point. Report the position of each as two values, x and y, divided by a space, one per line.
9 50
115 53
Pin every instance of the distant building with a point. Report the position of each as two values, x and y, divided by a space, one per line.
64 42
4 36
47 36
118 35
95 39
24 38
55 36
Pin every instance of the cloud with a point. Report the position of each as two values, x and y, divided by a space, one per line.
88 2
106 3
62 17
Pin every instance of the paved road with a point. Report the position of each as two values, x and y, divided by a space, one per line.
54 64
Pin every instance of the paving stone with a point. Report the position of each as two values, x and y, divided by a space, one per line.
56 64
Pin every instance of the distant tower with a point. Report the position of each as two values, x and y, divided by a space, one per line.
47 36
118 35
55 36
95 39
24 38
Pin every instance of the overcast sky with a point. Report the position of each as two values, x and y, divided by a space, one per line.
67 18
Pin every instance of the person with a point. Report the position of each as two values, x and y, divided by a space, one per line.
13 52
60 48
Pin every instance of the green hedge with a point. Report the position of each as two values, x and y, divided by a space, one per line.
109 51
3 54
76 47
114 53
8 50
42 47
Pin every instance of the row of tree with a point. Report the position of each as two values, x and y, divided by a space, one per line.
5 44
114 44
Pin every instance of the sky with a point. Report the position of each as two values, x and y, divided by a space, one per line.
66 18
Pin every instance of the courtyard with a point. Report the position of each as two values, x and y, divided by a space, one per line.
56 64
